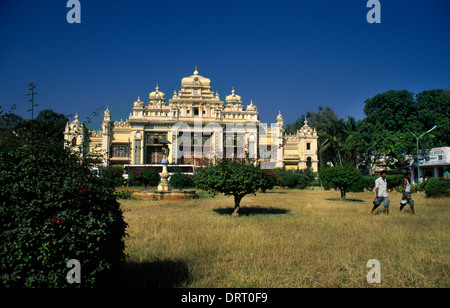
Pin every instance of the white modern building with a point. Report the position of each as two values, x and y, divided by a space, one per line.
435 163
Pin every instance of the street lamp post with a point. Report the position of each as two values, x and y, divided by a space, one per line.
417 145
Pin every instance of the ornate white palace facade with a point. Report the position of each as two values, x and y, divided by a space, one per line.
195 123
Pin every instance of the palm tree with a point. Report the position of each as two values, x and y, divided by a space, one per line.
334 131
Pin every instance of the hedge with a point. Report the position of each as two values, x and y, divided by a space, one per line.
437 187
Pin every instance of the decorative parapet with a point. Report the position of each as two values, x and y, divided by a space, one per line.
95 133
121 124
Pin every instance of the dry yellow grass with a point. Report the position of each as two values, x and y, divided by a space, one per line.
287 238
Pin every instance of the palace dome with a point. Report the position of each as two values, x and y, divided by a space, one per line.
157 95
233 98
195 80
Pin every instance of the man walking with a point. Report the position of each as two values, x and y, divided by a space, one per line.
406 196
381 195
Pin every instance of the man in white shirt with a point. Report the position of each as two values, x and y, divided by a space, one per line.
381 195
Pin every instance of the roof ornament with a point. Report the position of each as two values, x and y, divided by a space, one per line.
196 71
279 117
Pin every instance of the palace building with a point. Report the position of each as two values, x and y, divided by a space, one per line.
194 123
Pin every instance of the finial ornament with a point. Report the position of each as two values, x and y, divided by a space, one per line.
196 71
279 117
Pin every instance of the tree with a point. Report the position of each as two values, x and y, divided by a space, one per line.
333 133
393 110
47 127
341 177
235 177
50 125
390 116
433 107
10 124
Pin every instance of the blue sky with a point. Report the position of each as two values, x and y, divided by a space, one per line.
286 55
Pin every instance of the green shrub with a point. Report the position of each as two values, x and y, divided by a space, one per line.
394 180
302 181
144 176
123 194
180 180
314 184
369 181
358 186
437 187
112 176
52 209
291 179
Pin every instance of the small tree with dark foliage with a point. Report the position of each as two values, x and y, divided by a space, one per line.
341 177
235 177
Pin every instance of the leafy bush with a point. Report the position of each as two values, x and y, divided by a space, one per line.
52 209
144 176
437 187
369 181
112 176
291 179
314 184
123 194
358 186
394 180
341 177
288 179
309 173
180 180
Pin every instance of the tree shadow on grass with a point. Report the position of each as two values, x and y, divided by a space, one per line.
253 210
158 274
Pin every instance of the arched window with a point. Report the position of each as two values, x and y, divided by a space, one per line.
308 162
